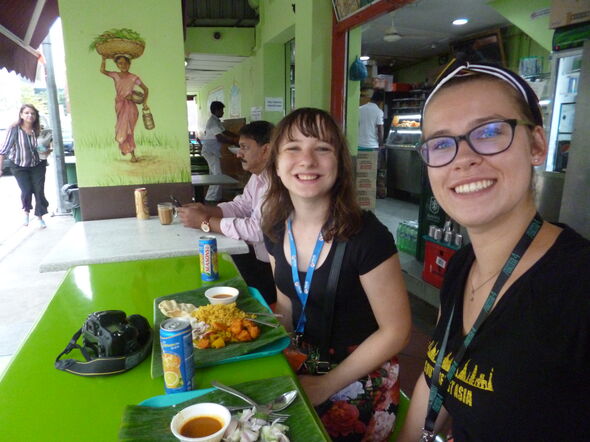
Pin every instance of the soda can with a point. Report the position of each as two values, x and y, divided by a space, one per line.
176 340
431 230
208 258
141 203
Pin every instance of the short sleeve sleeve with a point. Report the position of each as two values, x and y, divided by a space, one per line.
373 245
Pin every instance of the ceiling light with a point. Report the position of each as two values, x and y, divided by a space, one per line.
460 21
364 57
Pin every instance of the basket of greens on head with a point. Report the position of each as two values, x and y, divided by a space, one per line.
119 42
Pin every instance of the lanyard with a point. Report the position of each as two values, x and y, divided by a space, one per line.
436 398
303 294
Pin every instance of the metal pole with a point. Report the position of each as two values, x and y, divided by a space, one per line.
58 148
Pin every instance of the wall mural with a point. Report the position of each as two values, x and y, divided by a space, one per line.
122 46
117 141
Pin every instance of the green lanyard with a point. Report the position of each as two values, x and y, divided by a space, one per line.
436 398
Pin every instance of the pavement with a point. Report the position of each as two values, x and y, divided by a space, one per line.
24 292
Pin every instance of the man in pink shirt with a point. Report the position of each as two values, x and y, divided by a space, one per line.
240 218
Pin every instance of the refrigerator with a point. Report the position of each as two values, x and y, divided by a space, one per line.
566 68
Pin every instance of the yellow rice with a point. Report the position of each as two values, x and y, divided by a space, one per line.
222 313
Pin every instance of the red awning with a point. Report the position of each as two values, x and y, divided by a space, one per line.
24 24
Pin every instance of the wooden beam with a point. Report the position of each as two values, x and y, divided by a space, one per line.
339 49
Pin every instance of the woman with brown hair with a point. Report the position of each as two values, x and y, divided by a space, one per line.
353 327
20 146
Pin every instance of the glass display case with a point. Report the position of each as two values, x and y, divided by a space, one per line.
404 165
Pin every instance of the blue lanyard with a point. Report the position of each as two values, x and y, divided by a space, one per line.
303 294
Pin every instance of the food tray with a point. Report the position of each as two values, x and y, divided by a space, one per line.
150 420
271 340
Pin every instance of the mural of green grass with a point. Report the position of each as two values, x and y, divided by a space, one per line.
100 163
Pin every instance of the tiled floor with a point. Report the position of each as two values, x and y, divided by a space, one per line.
391 212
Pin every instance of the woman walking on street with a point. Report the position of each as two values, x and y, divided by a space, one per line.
20 147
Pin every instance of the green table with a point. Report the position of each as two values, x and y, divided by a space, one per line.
39 402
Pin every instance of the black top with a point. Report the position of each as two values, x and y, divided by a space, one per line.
525 376
353 319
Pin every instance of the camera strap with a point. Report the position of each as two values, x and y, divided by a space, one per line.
102 365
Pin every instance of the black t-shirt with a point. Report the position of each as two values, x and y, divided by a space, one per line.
353 319
526 374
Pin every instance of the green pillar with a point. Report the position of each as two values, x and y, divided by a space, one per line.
313 53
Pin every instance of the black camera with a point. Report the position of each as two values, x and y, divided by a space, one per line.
111 333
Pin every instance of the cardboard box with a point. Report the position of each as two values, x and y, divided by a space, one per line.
569 12
366 165
366 174
367 184
367 202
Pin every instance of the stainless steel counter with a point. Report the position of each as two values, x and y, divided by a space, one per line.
403 169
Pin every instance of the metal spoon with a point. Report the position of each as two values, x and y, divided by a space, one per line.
278 404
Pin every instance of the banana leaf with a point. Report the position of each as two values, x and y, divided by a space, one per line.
153 424
264 345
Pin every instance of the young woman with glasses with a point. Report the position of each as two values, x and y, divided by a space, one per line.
509 356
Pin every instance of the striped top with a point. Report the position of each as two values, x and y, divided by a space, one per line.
20 148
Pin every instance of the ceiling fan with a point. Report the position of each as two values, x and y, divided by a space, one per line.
392 35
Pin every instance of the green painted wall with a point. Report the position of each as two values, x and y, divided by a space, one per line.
353 92
419 72
264 73
519 14
313 56
519 45
233 41
162 152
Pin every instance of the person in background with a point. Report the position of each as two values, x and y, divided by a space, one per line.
509 358
310 212
371 123
215 134
240 218
125 107
20 147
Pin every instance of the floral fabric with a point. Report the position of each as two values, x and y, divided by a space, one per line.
364 411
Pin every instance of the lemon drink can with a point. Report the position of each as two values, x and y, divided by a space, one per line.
208 258
176 340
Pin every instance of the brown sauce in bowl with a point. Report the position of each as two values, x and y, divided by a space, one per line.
221 296
201 426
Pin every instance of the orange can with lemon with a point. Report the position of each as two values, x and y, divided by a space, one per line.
176 341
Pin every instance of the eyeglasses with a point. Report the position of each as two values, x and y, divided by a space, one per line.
488 139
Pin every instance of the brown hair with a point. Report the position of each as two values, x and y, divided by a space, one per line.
36 123
345 213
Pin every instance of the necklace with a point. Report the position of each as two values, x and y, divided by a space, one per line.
475 289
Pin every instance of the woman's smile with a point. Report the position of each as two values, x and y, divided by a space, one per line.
307 166
474 186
